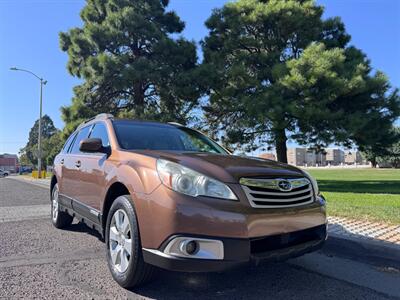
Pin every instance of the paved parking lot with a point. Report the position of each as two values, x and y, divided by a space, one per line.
39 261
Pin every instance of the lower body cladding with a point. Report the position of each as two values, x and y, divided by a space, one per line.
189 253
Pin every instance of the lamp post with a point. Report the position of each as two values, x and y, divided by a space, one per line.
42 82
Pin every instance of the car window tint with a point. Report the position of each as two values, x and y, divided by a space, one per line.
136 136
83 134
68 143
193 143
100 131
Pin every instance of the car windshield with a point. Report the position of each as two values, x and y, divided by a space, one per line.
152 136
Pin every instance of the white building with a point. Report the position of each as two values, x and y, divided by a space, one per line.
352 157
296 156
334 156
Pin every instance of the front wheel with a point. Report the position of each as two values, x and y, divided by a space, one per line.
59 218
124 250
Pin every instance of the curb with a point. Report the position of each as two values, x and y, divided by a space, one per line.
377 254
369 243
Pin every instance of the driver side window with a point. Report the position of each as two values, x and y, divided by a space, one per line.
83 133
100 131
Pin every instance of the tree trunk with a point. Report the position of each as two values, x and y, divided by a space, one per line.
138 98
280 145
373 162
396 163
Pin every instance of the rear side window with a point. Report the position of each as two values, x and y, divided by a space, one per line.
100 131
68 143
83 134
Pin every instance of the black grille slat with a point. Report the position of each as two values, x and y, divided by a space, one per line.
283 196
277 203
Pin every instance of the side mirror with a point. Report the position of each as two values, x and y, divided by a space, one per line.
93 145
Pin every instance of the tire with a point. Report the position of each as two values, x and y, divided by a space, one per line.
59 218
128 271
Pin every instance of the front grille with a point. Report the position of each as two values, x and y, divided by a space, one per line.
278 192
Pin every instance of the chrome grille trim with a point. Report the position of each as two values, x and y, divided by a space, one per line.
266 193
278 193
273 182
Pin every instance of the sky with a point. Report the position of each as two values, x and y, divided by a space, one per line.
29 39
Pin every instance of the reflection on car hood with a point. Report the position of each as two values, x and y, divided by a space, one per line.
227 168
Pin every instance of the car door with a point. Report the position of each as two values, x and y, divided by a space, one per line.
59 167
72 182
93 168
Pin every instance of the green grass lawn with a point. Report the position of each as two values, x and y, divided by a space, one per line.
372 194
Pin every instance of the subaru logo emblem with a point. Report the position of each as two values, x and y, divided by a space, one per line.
284 185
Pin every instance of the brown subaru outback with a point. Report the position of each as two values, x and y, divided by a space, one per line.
164 195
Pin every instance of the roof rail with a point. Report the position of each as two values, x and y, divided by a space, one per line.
176 124
99 117
103 116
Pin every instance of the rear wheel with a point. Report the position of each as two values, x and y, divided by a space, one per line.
59 218
124 250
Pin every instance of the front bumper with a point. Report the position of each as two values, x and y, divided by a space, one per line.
165 213
239 251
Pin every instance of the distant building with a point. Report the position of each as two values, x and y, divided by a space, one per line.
334 156
267 155
305 157
311 158
352 157
296 156
8 162
320 159
330 156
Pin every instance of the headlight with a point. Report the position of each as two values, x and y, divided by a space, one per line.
313 182
186 181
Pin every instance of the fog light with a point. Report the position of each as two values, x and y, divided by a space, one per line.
189 247
199 248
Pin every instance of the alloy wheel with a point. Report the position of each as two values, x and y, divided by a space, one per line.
120 241
54 211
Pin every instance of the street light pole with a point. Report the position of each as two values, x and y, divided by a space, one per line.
40 132
42 82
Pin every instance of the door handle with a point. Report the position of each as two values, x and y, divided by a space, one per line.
62 161
78 164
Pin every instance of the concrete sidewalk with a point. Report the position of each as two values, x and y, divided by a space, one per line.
373 234
39 182
365 231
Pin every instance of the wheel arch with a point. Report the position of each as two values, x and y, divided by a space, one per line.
115 190
53 182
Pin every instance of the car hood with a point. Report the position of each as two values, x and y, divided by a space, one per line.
227 168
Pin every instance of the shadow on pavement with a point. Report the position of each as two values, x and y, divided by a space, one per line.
81 227
246 282
270 281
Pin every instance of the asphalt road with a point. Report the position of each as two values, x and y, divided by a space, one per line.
39 261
